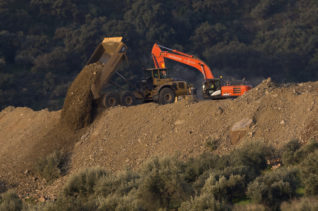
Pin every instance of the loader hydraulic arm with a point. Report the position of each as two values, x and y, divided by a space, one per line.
159 56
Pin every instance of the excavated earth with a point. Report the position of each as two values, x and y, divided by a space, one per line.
125 137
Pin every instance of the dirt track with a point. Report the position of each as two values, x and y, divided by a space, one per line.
124 137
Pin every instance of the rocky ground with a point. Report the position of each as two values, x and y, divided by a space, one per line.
125 137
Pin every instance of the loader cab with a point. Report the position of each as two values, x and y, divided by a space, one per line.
158 76
158 73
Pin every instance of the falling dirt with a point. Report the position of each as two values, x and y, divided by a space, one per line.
77 111
125 137
37 134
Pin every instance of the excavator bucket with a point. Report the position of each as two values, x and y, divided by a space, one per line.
110 53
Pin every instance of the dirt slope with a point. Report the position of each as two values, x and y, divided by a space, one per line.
21 129
124 137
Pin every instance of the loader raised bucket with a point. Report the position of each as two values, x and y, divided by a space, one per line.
111 52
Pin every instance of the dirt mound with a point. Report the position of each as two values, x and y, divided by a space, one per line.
77 110
21 130
124 137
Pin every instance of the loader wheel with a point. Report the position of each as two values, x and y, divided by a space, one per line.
110 100
127 99
166 96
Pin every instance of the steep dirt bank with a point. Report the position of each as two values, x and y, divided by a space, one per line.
21 130
124 137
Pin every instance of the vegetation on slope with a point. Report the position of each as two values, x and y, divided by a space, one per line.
245 179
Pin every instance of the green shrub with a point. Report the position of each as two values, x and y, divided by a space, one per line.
162 184
288 152
274 187
302 204
293 153
79 192
267 8
119 185
205 162
225 188
309 173
213 144
249 207
10 201
305 150
129 202
254 156
83 184
203 202
53 166
68 204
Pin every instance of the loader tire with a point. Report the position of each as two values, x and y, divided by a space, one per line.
127 99
166 96
110 100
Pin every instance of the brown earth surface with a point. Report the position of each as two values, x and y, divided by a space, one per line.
125 137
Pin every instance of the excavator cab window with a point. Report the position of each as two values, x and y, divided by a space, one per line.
163 73
217 84
214 84
155 73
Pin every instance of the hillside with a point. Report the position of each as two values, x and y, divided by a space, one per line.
44 44
126 137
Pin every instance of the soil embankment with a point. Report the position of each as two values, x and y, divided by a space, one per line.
124 137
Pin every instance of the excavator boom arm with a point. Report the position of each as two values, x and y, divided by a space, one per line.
159 56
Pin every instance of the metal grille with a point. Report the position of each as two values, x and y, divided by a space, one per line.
236 90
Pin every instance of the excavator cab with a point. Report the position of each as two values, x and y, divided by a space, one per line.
212 87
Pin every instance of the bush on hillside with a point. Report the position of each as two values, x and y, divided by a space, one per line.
10 201
309 173
243 171
213 144
203 202
129 202
118 185
274 187
288 152
305 150
163 185
67 204
196 167
225 188
53 166
293 153
308 204
249 207
83 184
254 156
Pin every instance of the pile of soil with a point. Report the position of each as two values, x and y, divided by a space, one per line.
22 130
28 136
125 137
77 110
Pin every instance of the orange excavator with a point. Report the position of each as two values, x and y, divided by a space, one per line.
211 86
